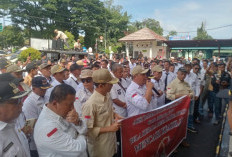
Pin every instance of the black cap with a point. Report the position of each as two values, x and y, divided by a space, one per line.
182 69
40 82
4 63
9 89
31 66
75 67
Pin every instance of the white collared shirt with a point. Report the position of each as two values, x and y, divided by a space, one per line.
117 92
49 90
159 85
72 81
81 97
12 141
32 107
171 77
135 100
192 80
54 136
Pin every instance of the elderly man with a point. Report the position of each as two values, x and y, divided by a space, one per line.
83 94
74 80
33 105
59 131
59 76
12 141
101 120
118 91
139 93
158 85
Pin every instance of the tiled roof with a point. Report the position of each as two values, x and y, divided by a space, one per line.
144 34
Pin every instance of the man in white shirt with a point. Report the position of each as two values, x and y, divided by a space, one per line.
12 141
33 104
139 93
158 85
192 80
118 91
84 93
74 77
59 131
59 76
45 71
167 77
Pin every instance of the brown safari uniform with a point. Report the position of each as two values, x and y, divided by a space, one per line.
177 87
99 113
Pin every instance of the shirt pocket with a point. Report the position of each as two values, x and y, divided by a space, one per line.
103 114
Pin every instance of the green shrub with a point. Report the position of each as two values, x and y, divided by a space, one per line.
35 54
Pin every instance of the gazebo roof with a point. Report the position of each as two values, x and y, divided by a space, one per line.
144 34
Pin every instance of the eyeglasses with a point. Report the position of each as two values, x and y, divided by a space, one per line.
87 80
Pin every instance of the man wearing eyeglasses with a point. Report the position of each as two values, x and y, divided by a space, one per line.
12 141
102 121
83 94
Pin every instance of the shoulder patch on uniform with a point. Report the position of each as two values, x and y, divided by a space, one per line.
52 132
87 117
134 95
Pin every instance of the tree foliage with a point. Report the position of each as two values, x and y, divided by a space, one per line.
11 36
149 23
35 54
202 33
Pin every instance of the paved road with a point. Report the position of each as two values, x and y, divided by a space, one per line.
204 143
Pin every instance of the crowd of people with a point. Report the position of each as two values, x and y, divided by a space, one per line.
74 107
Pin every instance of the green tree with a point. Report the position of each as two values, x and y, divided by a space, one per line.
35 54
11 36
149 23
202 33
70 41
171 33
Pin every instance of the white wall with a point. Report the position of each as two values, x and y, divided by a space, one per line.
144 47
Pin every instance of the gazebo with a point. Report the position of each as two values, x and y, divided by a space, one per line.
146 41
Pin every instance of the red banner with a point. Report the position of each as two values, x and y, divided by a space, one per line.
155 133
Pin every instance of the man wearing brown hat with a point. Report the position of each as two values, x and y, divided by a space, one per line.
4 63
84 93
102 122
45 71
139 93
15 71
158 84
58 78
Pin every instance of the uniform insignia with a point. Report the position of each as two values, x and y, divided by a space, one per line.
8 147
134 95
77 98
229 93
87 117
52 132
